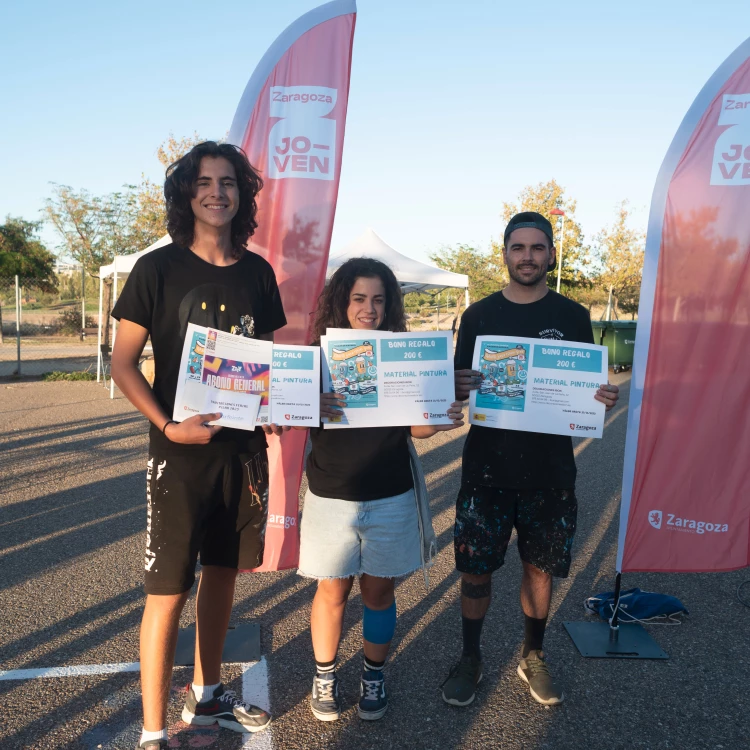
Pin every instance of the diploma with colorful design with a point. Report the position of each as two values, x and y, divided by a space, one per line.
237 373
538 385
251 382
388 379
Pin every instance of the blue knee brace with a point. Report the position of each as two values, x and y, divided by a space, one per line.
379 625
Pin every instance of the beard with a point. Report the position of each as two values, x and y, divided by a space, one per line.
533 280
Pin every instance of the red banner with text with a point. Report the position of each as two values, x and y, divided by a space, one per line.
290 123
686 488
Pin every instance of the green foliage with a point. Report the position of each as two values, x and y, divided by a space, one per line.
486 274
94 228
23 254
58 375
618 262
70 321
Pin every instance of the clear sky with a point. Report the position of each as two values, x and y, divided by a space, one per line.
454 106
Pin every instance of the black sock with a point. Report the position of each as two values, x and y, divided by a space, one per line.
325 667
533 634
372 665
472 632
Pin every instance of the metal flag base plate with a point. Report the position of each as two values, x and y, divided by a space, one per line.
593 639
242 645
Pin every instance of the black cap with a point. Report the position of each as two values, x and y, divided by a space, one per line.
529 219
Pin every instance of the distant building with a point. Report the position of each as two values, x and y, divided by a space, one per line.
66 269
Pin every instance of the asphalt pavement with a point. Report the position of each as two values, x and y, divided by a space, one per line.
72 528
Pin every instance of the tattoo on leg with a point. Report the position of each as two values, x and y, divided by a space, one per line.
475 590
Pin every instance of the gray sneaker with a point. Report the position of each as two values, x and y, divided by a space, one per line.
533 670
324 700
460 687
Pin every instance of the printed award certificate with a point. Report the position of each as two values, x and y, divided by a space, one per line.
295 385
389 379
538 385
191 393
237 374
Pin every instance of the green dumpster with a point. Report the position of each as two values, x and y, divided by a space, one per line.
599 328
623 334
619 338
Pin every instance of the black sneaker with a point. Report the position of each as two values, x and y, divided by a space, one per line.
460 686
533 670
373 702
226 710
153 745
324 701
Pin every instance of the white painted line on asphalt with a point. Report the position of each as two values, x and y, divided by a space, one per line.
76 671
255 691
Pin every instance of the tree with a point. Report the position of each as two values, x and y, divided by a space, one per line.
151 219
542 198
485 275
93 229
618 262
23 254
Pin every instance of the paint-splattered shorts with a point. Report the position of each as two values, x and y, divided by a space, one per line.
214 506
545 521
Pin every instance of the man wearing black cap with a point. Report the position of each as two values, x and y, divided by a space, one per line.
516 479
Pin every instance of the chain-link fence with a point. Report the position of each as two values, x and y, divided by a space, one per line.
45 329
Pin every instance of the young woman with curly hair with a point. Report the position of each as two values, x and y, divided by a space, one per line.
203 482
361 514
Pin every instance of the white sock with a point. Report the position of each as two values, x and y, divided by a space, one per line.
204 692
160 735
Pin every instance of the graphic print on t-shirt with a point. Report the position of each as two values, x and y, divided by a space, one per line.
215 306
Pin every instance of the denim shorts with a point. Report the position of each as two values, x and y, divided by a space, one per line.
343 538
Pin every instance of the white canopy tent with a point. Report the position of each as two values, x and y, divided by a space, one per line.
121 266
413 275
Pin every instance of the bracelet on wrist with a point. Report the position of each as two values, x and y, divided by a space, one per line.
166 424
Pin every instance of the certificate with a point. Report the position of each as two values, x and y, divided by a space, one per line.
239 367
190 396
295 385
389 379
538 385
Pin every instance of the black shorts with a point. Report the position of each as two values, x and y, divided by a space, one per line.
212 505
545 521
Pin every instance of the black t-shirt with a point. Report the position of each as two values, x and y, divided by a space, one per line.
366 463
511 458
171 287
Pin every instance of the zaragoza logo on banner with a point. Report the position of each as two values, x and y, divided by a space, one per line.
303 143
732 151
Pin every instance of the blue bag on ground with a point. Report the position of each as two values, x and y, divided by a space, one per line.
637 606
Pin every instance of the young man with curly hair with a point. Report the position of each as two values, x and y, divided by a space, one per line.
206 486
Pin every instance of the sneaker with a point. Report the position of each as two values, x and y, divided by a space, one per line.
226 710
324 701
152 745
373 702
460 687
533 670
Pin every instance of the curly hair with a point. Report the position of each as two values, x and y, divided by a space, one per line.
179 190
334 301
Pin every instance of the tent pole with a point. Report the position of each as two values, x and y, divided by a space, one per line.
99 334
466 295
